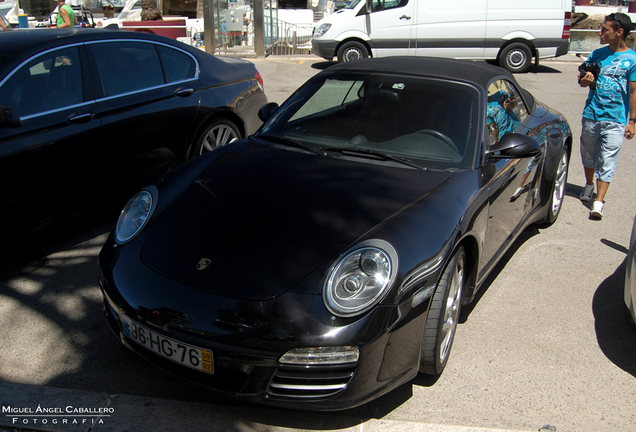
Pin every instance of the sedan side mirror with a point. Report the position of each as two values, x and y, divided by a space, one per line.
267 111
514 146
9 117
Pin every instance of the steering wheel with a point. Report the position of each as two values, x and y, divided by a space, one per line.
440 136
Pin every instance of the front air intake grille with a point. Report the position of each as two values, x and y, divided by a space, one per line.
310 381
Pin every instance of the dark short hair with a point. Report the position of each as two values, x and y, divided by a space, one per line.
620 20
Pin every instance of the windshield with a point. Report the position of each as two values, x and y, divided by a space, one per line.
352 4
429 122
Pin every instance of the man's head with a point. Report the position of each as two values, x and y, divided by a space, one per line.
619 21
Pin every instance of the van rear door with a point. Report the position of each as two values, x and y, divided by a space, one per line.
539 22
451 29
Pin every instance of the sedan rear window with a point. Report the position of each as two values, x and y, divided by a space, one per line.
126 67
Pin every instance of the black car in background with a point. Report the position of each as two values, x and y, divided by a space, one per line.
324 261
91 114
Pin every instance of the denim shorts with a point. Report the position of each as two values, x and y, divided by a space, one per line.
601 143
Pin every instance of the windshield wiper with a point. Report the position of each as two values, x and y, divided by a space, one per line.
291 143
375 153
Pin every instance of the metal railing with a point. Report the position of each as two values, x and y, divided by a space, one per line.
283 38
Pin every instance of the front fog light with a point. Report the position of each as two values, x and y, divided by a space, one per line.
321 356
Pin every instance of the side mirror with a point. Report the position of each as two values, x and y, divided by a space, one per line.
9 117
267 111
514 146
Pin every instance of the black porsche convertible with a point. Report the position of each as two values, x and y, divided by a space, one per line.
324 261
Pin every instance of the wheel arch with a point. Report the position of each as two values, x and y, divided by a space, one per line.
471 249
526 42
353 39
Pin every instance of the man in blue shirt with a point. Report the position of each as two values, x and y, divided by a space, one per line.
605 116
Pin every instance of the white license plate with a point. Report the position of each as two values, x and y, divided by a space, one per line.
177 351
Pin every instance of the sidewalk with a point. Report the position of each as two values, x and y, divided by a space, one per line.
53 409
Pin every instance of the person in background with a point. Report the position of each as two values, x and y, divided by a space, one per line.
610 109
65 15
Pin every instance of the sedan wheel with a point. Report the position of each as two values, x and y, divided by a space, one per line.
217 135
443 316
558 188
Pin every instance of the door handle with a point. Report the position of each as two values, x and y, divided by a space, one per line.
80 118
405 17
184 92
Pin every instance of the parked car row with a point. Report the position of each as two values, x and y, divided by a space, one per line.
316 261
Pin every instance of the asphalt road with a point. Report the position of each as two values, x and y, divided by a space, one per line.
545 344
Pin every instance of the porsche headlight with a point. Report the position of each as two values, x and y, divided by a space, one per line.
320 31
134 216
360 278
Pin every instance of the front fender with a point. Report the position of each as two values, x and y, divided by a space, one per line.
352 34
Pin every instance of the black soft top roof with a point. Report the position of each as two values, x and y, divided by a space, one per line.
475 72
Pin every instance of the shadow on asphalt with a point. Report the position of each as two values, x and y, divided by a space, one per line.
542 69
616 338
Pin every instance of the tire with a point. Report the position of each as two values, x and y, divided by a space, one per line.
443 316
217 134
352 51
558 189
515 57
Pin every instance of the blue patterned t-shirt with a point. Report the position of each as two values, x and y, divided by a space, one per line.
609 101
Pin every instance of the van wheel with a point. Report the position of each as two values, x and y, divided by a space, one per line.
515 57
352 51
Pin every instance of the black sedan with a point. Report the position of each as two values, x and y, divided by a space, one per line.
324 260
87 114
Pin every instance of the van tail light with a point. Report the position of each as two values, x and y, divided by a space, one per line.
567 25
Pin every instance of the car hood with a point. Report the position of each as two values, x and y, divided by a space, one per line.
260 218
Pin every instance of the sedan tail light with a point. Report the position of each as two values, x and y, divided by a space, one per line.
259 78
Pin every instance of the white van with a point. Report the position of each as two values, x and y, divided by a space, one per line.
510 32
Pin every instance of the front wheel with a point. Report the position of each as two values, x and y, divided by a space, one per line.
352 51
516 57
215 135
558 188
443 316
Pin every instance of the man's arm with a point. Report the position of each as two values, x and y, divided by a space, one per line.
67 20
630 129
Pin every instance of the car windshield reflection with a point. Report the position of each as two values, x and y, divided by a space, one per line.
429 122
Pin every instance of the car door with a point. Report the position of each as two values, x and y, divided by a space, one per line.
513 180
147 96
47 160
391 27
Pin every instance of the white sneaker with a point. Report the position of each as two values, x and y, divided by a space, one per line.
517 193
597 210
587 193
